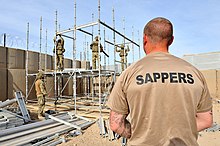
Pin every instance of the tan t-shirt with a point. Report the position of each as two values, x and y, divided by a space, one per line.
162 94
40 87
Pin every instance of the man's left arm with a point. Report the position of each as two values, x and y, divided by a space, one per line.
119 124
204 120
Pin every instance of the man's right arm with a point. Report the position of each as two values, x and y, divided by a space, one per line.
119 124
204 120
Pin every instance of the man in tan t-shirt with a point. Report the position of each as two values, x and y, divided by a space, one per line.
167 98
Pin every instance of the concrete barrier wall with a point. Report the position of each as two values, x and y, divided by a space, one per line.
33 61
213 81
85 64
218 85
17 82
3 57
4 84
67 63
49 62
15 58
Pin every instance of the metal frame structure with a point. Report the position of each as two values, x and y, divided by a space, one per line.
77 73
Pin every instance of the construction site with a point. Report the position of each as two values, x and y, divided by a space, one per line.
76 113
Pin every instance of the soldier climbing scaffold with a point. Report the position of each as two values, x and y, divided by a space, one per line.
59 46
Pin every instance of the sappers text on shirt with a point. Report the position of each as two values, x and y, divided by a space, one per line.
165 77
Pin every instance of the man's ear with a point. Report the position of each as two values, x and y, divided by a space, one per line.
171 41
145 39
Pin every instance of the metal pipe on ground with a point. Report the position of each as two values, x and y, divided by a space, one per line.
46 140
7 102
23 140
30 126
64 122
30 131
55 142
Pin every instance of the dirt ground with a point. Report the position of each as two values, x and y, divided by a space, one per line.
91 136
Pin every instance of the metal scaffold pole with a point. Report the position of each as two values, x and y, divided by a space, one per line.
113 15
45 67
125 63
99 64
132 43
40 42
74 57
139 50
99 58
104 50
55 65
74 82
26 67
74 37
108 53
92 25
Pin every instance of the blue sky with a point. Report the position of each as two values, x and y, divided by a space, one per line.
196 23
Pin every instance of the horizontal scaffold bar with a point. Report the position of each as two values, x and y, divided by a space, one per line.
118 33
77 27
79 72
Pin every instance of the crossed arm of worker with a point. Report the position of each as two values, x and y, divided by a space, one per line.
204 120
119 124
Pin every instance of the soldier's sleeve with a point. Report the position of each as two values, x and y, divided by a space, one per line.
117 101
43 88
205 103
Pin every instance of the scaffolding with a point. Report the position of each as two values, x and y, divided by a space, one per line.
89 75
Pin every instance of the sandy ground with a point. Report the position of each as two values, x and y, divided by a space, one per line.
91 136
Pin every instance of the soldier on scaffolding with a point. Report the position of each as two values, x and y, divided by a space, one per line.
95 51
123 54
59 46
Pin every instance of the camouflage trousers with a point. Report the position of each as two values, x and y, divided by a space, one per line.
41 104
95 56
60 65
122 63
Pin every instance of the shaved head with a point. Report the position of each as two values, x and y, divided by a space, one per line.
159 29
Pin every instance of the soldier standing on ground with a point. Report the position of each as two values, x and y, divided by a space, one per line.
41 94
123 54
95 51
59 46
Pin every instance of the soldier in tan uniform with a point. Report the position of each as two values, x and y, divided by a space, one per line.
123 54
41 94
95 51
59 52
166 98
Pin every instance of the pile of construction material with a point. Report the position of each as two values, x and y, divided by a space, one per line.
46 132
9 120
20 129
